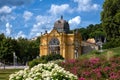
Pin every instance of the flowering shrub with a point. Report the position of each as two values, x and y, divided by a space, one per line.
49 71
94 68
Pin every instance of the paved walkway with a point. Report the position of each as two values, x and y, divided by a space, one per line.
13 67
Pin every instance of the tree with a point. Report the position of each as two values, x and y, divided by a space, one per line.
84 33
23 53
97 32
92 31
110 17
2 36
25 50
6 50
34 48
28 49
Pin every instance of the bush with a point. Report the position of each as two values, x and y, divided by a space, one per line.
36 62
112 44
116 55
94 68
95 52
45 59
49 71
51 57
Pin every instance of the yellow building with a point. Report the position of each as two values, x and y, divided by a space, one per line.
61 41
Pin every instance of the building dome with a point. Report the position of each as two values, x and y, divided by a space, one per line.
61 25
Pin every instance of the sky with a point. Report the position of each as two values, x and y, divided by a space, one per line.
28 18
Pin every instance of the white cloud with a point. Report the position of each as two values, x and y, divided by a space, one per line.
3 18
59 9
74 22
7 18
6 9
12 17
86 5
27 15
95 6
82 5
20 34
8 28
37 29
42 23
5 14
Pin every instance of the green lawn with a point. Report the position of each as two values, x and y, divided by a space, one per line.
106 53
4 74
115 50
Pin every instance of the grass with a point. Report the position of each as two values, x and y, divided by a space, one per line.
4 73
107 53
115 50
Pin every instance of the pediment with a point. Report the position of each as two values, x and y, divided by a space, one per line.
54 32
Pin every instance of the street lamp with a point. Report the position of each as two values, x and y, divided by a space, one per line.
76 53
14 59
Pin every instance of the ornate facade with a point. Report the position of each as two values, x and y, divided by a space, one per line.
61 41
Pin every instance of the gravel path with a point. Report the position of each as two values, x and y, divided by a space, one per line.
13 67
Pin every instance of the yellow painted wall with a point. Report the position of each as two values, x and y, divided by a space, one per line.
67 45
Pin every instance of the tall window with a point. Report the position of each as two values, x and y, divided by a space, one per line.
54 46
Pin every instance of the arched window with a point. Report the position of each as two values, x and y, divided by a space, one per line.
54 46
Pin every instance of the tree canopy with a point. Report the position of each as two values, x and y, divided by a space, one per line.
24 49
92 31
6 48
110 17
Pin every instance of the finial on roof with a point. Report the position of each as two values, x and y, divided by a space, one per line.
41 33
61 17
45 31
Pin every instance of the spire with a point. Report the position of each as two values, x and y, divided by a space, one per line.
61 17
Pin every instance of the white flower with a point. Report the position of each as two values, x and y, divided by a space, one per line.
47 71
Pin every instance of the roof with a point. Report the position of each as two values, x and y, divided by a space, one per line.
61 24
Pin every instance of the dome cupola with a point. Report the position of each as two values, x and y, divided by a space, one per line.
61 25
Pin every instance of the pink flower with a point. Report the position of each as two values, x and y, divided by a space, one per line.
72 61
94 60
81 78
113 75
98 74
86 73
74 70
107 68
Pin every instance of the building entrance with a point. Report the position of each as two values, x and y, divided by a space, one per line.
54 46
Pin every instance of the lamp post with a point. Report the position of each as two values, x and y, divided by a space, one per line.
14 59
76 53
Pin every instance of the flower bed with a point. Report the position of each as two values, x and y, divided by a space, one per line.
49 71
94 68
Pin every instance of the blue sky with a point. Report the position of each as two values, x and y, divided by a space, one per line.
28 18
